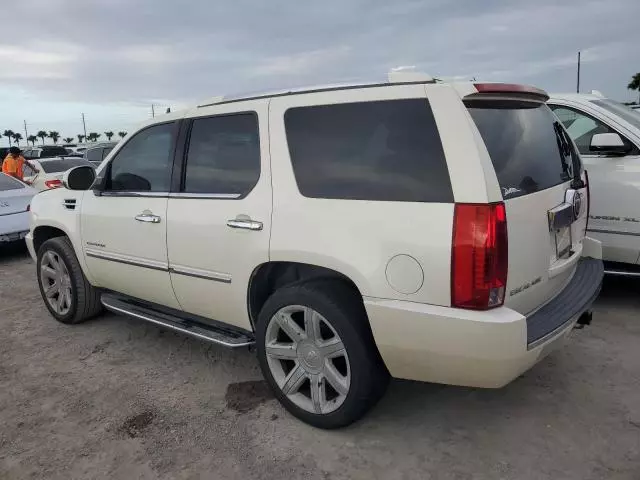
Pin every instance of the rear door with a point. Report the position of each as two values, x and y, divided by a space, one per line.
219 219
535 163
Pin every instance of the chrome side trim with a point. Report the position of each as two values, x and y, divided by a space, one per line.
227 196
127 260
613 232
198 273
621 273
172 327
110 193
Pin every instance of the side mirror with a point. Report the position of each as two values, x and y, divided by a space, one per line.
608 143
79 178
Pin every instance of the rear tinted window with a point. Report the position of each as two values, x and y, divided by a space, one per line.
62 165
524 147
385 150
53 151
8 183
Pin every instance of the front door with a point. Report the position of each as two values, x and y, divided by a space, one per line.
124 227
614 216
219 221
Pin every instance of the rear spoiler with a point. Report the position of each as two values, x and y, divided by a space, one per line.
512 89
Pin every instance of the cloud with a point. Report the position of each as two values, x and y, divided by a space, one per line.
137 51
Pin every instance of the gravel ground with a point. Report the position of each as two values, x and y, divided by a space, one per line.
119 399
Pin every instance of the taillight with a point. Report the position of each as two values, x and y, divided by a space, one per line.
479 258
53 183
586 177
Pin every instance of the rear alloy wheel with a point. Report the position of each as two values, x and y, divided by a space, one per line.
317 352
309 364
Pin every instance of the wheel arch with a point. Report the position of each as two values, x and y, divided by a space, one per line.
42 233
271 276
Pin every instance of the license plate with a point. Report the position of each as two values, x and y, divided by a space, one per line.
563 242
11 237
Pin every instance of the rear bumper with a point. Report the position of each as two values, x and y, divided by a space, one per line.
14 227
29 241
471 348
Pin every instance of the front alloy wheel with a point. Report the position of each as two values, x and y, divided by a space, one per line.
307 359
56 282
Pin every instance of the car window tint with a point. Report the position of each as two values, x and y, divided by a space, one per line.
527 150
581 127
53 152
62 165
93 154
105 152
8 183
223 155
144 163
384 150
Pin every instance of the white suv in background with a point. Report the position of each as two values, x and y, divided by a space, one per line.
427 230
607 134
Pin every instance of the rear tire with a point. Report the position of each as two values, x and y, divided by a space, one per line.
66 292
331 373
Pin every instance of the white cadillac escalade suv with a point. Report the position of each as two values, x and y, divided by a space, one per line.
414 228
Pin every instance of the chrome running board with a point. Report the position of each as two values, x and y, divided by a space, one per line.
187 324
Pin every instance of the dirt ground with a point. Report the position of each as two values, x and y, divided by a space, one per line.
120 399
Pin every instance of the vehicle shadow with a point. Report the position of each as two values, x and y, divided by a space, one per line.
13 251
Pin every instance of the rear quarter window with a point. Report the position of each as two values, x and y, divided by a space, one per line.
8 183
383 150
523 144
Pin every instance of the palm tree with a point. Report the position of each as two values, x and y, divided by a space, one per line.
17 137
9 135
634 84
122 134
53 135
93 136
32 139
42 134
80 138
67 139
108 134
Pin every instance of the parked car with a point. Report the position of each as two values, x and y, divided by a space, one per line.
95 154
607 134
75 150
51 171
15 198
45 151
408 228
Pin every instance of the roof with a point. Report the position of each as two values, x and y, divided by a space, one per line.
585 97
395 77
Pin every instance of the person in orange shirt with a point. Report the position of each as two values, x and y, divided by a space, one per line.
13 164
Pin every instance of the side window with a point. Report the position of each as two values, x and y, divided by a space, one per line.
223 155
93 155
581 127
384 150
144 163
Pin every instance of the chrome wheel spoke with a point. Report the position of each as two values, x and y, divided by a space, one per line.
289 326
312 324
339 382
282 351
67 297
51 290
318 394
47 272
333 348
294 380
53 261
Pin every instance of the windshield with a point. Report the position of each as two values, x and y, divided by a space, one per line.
62 164
8 183
626 113
529 149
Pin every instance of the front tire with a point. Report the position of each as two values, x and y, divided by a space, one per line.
317 353
66 292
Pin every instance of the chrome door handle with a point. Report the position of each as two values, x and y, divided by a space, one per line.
245 224
148 218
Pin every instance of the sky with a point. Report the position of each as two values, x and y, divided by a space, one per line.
113 59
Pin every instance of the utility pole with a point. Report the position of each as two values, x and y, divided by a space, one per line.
153 112
84 127
578 80
26 134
